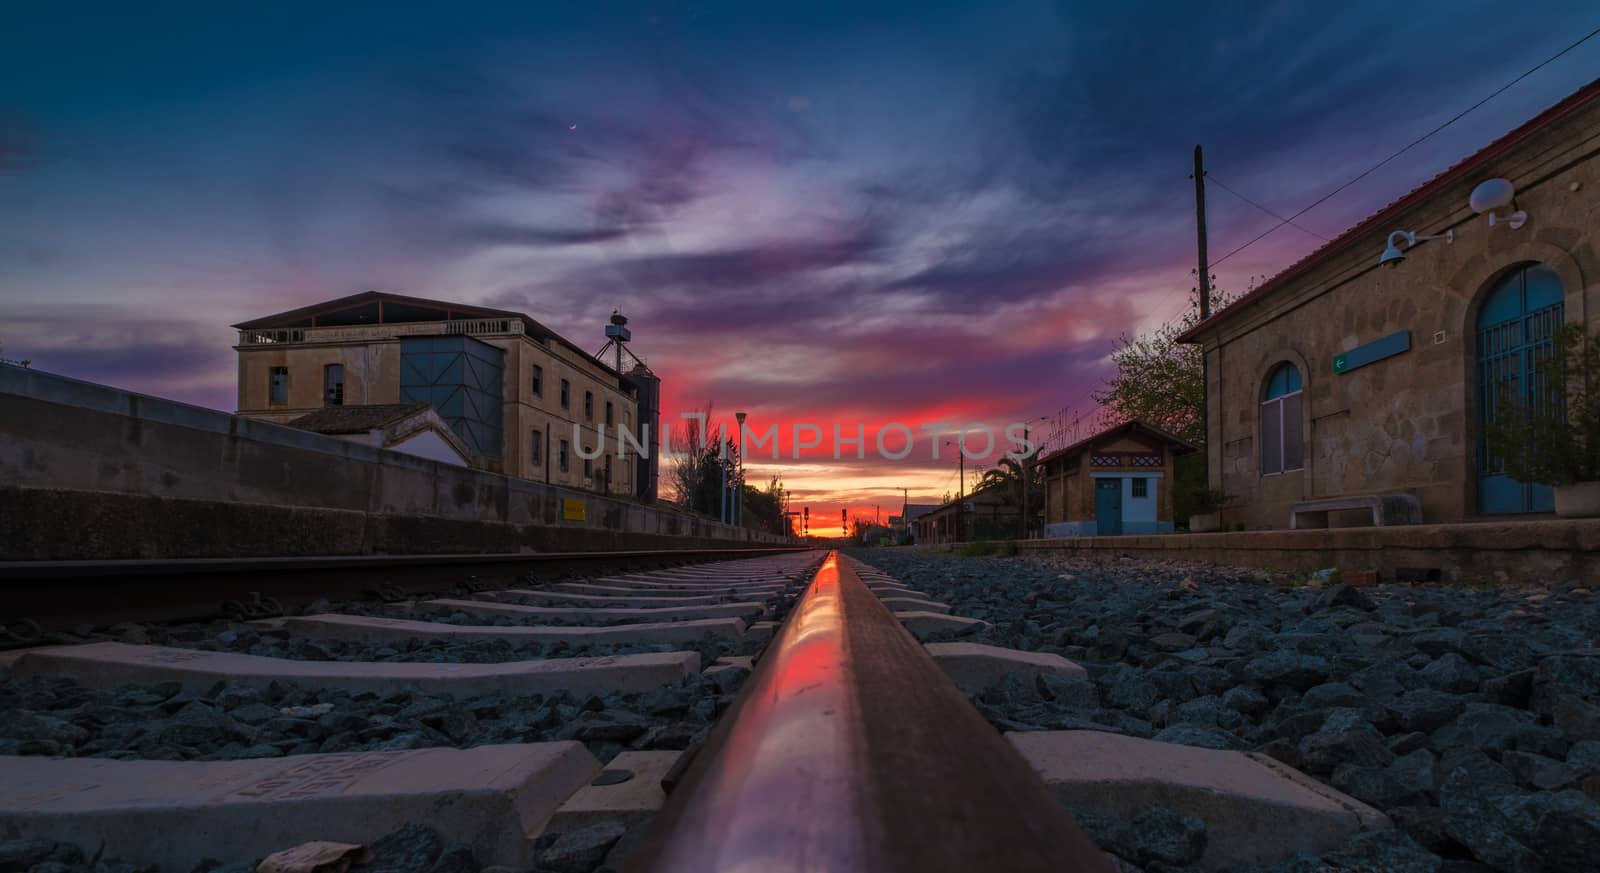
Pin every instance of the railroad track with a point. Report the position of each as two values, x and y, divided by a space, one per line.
46 595
779 712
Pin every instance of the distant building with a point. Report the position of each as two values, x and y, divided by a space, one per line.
1339 378
986 513
524 399
904 524
1118 481
412 428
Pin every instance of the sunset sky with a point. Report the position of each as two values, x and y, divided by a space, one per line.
818 212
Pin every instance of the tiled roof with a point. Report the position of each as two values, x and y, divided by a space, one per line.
357 419
1180 446
1569 105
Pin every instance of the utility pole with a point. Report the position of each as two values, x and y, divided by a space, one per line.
1200 233
727 475
961 496
1027 480
1205 295
738 500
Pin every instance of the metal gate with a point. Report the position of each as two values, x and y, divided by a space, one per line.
1515 330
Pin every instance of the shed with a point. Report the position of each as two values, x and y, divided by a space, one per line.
1118 481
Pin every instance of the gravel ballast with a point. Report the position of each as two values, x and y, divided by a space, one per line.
1471 717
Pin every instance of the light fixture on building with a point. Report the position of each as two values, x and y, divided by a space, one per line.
1492 195
1392 255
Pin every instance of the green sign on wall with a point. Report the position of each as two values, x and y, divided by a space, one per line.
1377 350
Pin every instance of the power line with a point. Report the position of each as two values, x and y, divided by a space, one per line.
1418 141
1210 177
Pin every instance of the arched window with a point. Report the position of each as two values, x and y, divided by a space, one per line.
1282 438
1516 324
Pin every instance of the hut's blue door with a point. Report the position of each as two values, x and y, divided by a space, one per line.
1108 507
1515 327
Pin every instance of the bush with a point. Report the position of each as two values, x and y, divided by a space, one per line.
1551 434
979 548
1208 500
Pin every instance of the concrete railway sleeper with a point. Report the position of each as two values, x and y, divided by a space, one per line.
171 744
851 746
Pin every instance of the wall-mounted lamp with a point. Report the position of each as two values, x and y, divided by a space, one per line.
1392 255
1495 194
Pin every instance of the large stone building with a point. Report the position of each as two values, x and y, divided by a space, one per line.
521 396
1339 377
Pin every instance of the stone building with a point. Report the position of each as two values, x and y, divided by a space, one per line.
1339 377
521 397
1118 481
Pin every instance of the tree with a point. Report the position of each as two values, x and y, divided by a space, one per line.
1159 380
763 508
1008 477
689 443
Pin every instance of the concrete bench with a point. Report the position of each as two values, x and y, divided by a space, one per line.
1386 509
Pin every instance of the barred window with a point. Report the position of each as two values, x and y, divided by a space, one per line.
1282 436
278 386
1141 487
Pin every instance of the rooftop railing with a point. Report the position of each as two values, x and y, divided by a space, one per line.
344 333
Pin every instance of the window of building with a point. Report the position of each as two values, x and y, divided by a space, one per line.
1141 487
588 464
608 472
609 420
561 457
538 381
278 386
1282 444
588 406
333 385
537 454
566 394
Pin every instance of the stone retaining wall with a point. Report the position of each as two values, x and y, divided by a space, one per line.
92 472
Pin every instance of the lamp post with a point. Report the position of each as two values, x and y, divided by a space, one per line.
738 496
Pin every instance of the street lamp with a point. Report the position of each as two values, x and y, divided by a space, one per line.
961 489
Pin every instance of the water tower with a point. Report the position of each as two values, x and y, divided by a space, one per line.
647 394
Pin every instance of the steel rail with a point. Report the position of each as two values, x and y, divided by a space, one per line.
58 593
850 751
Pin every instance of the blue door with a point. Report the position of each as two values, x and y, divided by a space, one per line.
1108 507
1515 328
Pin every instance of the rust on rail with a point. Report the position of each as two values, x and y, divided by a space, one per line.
850 750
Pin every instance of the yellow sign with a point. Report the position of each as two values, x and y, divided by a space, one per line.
574 509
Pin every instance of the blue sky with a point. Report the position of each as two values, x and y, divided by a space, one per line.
821 210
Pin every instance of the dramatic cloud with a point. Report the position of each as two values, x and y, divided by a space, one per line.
813 213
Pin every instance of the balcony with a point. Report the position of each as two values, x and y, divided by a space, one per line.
368 332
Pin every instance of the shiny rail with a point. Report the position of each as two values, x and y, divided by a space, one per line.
849 750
